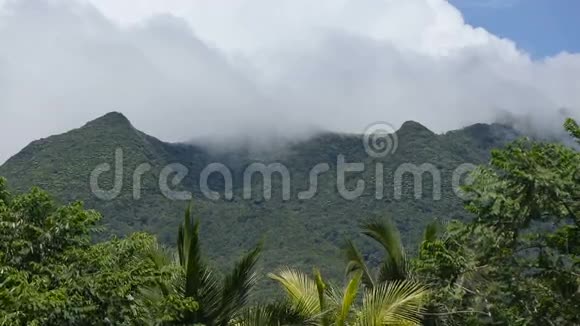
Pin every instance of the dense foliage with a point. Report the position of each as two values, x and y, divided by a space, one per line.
515 263
51 273
518 263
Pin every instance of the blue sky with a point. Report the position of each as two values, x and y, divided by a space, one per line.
540 27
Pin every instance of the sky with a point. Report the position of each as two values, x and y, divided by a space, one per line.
263 69
540 27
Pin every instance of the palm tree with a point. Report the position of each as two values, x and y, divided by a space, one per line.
390 303
395 266
219 300
272 314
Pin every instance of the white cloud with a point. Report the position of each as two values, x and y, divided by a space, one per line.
182 69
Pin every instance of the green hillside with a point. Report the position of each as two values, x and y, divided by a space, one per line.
297 232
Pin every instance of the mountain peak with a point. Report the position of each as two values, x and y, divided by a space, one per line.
111 119
413 128
490 134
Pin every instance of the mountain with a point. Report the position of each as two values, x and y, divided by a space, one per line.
299 232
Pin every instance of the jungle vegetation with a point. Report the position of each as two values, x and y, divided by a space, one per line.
515 263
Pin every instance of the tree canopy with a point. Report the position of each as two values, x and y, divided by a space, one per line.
517 263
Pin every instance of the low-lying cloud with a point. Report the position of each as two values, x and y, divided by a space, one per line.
183 70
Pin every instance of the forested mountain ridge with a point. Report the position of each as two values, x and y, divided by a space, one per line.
495 269
300 231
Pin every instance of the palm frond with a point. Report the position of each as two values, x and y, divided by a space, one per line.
348 299
162 260
393 303
190 258
199 281
238 285
356 263
395 265
255 316
393 269
274 314
321 287
209 297
181 234
158 255
301 291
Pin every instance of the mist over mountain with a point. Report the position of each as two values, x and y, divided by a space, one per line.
299 228
248 71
